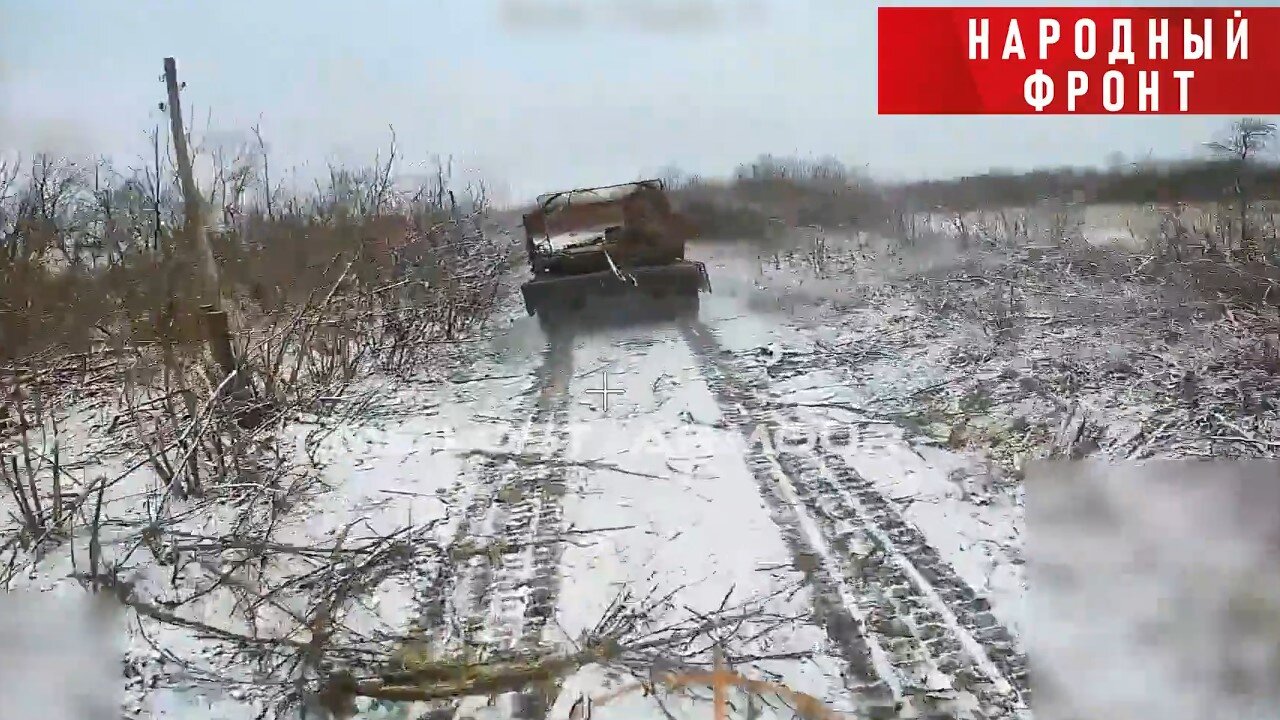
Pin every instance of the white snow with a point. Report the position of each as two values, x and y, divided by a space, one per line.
977 535
659 479
698 524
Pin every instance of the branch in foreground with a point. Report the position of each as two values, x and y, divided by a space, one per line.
624 638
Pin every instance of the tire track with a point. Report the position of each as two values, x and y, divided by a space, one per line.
947 655
897 536
943 634
449 592
868 676
514 568
498 584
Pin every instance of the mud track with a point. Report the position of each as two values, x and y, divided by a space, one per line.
910 630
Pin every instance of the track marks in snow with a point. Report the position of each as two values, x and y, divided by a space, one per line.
868 675
508 544
696 523
928 638
907 630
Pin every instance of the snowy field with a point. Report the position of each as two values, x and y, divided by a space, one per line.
737 482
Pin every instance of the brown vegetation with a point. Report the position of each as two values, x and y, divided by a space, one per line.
772 193
1231 251
107 301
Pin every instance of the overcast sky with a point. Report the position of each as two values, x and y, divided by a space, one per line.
597 92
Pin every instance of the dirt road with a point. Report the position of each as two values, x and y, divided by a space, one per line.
678 461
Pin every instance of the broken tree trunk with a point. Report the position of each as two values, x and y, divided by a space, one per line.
250 412
218 334
217 326
192 202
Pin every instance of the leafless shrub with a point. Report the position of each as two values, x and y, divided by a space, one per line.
799 193
361 233
1003 310
1241 145
32 475
99 296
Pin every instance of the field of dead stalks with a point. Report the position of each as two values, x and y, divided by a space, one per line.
1025 319
993 341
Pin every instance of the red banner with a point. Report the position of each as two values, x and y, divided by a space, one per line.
1079 60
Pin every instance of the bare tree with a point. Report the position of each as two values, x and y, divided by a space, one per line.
1246 139
266 171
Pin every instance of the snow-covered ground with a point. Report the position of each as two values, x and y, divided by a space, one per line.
756 458
990 359
873 581
703 478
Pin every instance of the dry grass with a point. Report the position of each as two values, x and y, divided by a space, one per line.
1208 225
101 306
